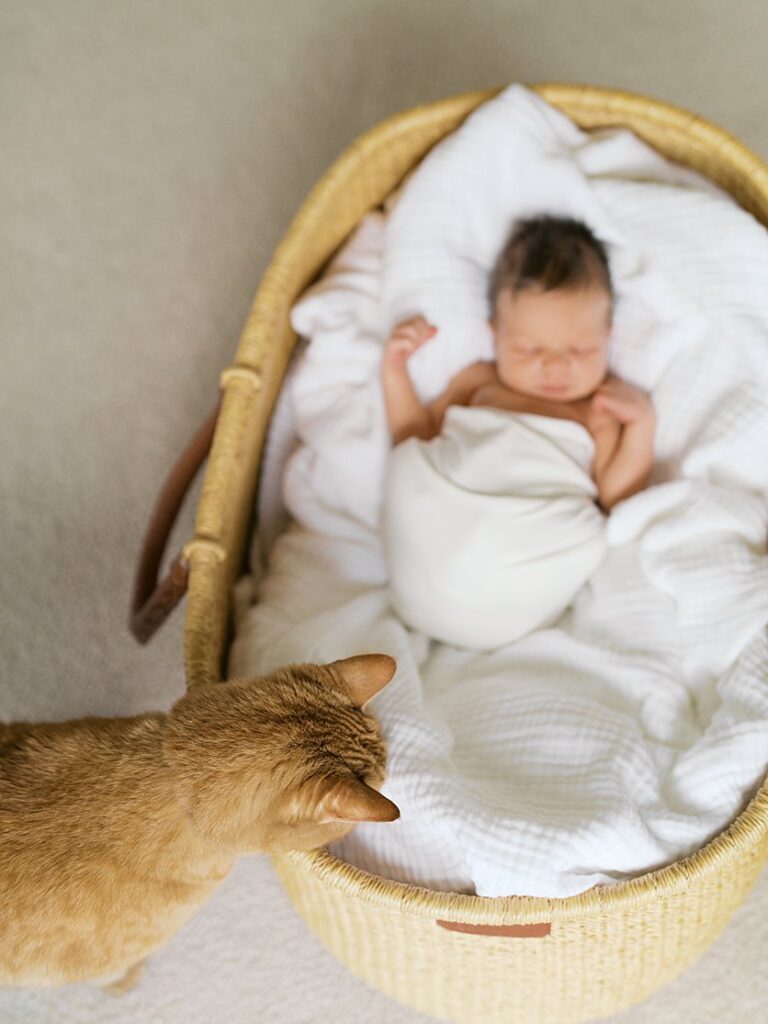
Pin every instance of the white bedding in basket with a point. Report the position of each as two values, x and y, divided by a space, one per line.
635 728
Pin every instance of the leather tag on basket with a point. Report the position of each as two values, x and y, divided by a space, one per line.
512 931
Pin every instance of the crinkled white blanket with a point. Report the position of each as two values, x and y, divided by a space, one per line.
635 728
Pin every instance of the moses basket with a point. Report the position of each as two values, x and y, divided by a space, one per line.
461 958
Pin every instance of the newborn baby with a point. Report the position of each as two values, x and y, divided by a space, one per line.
496 491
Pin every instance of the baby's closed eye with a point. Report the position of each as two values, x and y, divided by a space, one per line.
535 351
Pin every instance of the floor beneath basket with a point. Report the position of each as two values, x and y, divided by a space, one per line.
156 154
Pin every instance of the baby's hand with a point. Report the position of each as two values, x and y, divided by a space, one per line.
406 338
599 421
623 402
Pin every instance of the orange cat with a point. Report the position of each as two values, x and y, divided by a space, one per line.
113 831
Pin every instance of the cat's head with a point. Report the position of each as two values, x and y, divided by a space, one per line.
285 761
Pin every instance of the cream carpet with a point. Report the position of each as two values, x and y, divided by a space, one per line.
153 155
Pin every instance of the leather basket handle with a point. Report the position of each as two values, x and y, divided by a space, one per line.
153 602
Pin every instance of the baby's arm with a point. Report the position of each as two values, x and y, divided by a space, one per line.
407 416
625 471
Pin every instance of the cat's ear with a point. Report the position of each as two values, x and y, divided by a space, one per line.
350 799
365 675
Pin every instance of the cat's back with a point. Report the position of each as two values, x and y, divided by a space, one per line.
69 789
44 765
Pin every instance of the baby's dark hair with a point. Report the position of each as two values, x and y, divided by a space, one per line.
549 252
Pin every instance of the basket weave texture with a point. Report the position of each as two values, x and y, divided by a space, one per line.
608 947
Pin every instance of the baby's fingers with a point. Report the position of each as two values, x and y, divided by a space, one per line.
414 338
610 389
412 334
422 324
601 411
605 402
417 327
624 412
400 344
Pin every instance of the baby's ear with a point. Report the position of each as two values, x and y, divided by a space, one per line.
365 675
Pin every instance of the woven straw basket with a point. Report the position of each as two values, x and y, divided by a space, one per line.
469 959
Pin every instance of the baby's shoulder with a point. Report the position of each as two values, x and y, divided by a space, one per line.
473 376
467 381
462 386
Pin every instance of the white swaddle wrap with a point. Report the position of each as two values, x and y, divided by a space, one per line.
491 528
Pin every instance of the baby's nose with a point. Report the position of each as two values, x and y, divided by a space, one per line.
555 360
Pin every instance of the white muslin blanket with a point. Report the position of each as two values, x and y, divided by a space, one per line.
490 528
632 729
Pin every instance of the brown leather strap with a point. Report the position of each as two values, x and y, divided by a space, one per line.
152 601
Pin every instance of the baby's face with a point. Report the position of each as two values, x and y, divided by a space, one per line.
554 344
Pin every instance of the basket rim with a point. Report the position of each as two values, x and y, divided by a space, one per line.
744 831
600 99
